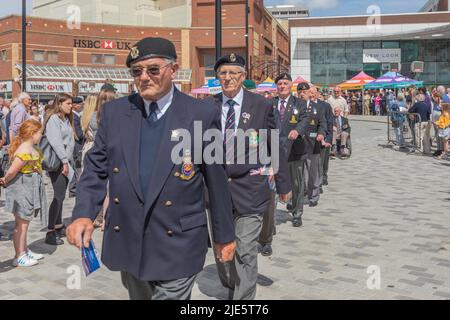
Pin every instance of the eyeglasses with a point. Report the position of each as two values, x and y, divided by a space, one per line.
151 71
233 74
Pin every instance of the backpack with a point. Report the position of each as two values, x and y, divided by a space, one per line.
396 115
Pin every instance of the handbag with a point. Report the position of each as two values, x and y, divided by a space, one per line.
51 162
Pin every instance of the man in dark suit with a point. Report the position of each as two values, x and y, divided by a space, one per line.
156 228
305 152
325 108
286 117
77 108
249 182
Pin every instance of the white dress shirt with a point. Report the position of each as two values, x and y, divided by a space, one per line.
163 104
285 102
237 108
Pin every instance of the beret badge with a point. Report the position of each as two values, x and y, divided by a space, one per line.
232 57
134 52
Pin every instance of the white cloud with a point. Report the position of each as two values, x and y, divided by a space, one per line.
314 4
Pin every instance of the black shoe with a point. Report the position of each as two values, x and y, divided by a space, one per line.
289 207
266 250
313 203
61 232
325 182
297 222
4 237
52 239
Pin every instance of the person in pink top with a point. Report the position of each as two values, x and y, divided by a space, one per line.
378 104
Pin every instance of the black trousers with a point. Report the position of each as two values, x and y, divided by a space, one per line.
59 184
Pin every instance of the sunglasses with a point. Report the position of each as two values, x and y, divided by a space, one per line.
151 71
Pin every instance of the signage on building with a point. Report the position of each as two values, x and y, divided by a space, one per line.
214 86
5 86
95 87
382 55
49 87
101 44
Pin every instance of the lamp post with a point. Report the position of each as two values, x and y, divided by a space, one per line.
24 45
218 29
247 9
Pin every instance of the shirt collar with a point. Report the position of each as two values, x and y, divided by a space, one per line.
238 98
163 103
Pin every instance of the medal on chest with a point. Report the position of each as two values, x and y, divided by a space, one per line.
187 168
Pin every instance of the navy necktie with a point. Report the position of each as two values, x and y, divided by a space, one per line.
152 114
230 123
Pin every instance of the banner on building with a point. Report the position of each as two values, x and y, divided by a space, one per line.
49 87
95 87
382 55
5 86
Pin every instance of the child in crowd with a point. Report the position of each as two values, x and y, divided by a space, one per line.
25 193
443 124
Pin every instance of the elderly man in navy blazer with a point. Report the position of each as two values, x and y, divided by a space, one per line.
156 227
250 185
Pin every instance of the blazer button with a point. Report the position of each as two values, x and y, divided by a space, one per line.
116 170
116 200
168 203
116 228
229 179
176 174
170 233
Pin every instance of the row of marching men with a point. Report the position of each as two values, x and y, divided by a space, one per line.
156 230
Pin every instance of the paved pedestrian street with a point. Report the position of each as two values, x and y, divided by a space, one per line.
380 231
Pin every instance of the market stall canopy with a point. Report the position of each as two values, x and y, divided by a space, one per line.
267 85
202 90
296 81
357 82
392 80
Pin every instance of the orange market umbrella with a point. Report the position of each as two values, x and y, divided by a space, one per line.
357 82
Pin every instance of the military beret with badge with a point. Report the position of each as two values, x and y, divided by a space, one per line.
283 76
151 48
230 59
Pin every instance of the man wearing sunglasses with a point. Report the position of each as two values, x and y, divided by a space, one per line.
250 185
156 227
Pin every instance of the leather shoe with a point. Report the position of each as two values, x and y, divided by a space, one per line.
61 232
313 203
297 222
52 239
325 182
266 250
289 207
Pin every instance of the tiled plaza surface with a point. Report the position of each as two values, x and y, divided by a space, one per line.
384 210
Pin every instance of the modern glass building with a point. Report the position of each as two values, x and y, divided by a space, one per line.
328 51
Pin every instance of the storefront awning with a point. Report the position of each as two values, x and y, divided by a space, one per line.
89 74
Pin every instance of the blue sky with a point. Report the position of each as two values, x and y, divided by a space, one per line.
318 7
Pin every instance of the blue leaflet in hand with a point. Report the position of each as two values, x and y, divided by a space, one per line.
89 259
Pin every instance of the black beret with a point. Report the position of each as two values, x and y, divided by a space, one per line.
303 86
151 48
283 76
230 59
108 87
77 100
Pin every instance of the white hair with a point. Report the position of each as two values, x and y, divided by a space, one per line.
22 96
441 89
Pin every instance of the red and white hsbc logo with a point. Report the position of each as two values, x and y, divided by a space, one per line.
108 45
101 44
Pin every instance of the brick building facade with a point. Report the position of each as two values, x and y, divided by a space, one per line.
60 58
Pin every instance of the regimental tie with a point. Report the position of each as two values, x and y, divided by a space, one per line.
230 125
282 109
152 117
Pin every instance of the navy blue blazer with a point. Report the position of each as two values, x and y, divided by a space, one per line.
251 194
161 235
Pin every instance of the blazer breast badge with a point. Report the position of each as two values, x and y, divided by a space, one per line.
187 167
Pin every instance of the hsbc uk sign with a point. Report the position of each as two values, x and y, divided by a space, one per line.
101 44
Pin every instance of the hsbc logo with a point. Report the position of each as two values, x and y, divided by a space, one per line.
101 44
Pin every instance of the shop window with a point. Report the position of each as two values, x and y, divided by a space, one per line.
109 59
97 59
3 55
52 56
38 55
372 44
391 44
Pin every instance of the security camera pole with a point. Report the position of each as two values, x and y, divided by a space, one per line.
24 45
